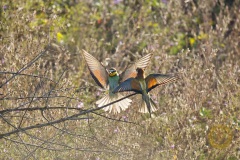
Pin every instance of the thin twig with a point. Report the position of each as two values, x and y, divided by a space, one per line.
25 67
31 101
40 97
23 74
61 119
49 93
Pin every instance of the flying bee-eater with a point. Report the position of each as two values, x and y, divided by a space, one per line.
143 86
110 79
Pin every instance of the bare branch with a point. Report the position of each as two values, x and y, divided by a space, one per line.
25 67
29 75
61 119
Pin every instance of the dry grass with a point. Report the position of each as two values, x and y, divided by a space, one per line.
47 93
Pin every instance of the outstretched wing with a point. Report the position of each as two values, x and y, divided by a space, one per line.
97 70
130 84
154 80
131 72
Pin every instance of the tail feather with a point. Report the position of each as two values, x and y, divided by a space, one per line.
116 107
153 105
144 108
102 101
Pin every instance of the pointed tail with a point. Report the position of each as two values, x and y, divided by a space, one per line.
116 107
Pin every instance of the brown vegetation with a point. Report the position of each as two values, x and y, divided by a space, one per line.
47 96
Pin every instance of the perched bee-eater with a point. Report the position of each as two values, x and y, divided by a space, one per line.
143 85
110 79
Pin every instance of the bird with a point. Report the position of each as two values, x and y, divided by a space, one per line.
143 86
110 79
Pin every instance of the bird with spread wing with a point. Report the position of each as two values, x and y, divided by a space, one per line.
110 79
143 86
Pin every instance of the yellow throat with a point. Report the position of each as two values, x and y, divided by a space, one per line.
113 74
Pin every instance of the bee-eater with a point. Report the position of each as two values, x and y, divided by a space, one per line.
110 79
143 86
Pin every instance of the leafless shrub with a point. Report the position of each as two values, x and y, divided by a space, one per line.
47 95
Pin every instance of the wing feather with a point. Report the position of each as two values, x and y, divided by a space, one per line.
154 80
130 84
97 70
131 72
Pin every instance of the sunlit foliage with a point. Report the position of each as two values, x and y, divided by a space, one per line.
47 93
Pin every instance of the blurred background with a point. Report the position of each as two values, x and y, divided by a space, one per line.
45 84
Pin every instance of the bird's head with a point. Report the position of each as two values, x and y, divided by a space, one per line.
112 72
140 72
